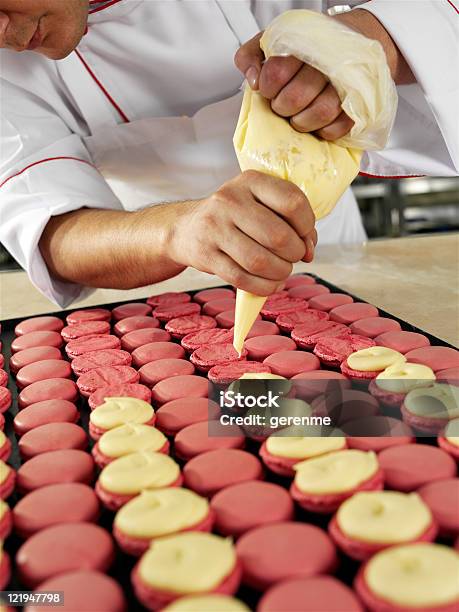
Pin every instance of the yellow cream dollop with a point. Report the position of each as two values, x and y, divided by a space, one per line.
440 401
404 377
207 603
303 447
452 432
374 359
5 471
116 411
261 376
131 438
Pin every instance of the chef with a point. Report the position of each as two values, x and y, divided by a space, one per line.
117 167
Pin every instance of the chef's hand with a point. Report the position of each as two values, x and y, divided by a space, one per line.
249 232
296 90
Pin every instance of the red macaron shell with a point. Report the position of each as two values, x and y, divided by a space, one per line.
52 437
5 399
284 305
115 501
328 503
226 374
314 594
410 466
5 450
450 375
6 524
306 335
442 497
47 323
333 351
299 279
175 415
27 357
291 363
205 436
375 433
181 326
391 400
226 319
287 322
87 328
210 355
43 370
155 351
42 413
179 387
89 382
103 460
283 466
86 344
374 326
210 472
5 570
97 432
309 385
435 357
8 485
260 347
306 292
276 552
133 309
360 550
402 341
349 313
119 390
55 467
53 505
215 307
263 328
37 338
193 341
166 313
446 445
155 371
85 591
63 548
2 359
168 298
250 504
3 378
2 421
358 376
52 388
100 359
139 337
208 295
88 314
124 326
423 423
328 301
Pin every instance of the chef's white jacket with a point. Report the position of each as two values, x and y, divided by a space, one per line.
161 58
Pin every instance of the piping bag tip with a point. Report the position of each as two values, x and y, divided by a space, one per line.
248 308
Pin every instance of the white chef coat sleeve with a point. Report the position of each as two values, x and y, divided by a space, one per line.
424 139
45 170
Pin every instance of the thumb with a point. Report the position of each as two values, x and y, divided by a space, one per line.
249 58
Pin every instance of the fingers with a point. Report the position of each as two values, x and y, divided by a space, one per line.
339 128
249 58
299 93
232 273
310 243
322 112
276 73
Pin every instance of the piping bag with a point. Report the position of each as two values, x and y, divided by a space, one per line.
357 68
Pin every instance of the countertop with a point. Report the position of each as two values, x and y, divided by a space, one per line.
414 278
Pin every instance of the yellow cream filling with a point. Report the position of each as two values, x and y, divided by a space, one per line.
335 472
157 513
440 401
261 376
4 471
207 603
118 411
384 517
131 438
452 432
404 377
302 447
133 473
374 358
3 508
188 563
415 576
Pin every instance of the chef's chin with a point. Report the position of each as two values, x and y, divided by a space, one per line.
62 32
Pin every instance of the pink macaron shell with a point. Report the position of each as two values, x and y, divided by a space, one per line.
297 280
42 413
133 309
272 553
226 319
124 326
343 405
328 301
208 295
284 305
52 388
402 341
263 328
166 313
333 351
88 314
210 355
349 313
168 298
179 387
287 322
226 374
86 344
215 307
261 347
442 497
87 328
155 351
450 375
386 398
89 382
291 363
175 415
179 327
194 340
309 385
411 466
306 292
46 323
42 370
374 326
139 337
205 436
307 335
3 378
119 390
155 371
100 359
210 472
52 437
37 338
376 433
6 399
435 357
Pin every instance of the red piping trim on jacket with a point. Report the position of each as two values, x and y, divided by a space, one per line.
453 5
391 177
105 92
47 159
101 8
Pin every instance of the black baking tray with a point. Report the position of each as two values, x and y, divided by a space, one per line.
123 565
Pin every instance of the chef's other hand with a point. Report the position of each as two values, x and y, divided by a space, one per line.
296 90
249 232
